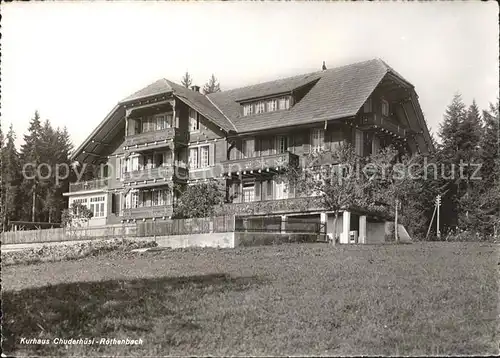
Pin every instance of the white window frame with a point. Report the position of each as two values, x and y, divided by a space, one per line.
248 192
284 103
193 158
194 120
280 190
204 156
260 107
317 139
282 142
248 109
272 105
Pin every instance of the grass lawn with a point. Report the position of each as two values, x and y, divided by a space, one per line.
303 299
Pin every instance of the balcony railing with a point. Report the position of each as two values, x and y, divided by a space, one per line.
95 184
162 172
386 123
267 207
156 138
260 163
148 212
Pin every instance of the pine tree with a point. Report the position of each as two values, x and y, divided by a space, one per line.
31 160
490 146
448 158
12 179
187 80
211 86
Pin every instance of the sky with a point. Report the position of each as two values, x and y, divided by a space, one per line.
74 61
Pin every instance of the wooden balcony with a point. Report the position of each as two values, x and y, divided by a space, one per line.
376 121
274 161
148 212
156 139
282 206
163 173
96 184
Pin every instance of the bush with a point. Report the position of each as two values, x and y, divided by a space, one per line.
52 253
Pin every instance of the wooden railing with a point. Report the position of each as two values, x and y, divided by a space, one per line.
148 212
267 207
163 172
384 123
95 184
156 137
260 163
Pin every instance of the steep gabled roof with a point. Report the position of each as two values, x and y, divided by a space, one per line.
338 93
155 88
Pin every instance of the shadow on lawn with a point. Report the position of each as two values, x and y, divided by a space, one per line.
108 308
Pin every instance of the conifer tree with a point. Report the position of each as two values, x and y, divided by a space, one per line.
211 86
187 80
31 159
11 178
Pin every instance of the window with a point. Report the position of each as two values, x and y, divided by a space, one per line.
135 199
367 107
318 139
280 190
248 192
148 124
193 158
97 206
385 108
259 107
204 157
281 144
248 148
247 109
272 105
284 102
162 122
194 120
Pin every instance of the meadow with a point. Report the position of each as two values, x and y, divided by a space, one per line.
295 299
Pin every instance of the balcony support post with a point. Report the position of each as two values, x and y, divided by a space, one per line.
283 224
346 227
362 229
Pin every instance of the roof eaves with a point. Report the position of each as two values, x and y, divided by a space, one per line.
192 104
78 150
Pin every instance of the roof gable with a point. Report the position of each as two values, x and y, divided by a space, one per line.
155 88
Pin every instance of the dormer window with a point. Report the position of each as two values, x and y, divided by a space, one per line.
272 105
259 107
284 102
268 105
385 108
247 109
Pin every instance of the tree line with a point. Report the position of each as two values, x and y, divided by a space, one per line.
25 194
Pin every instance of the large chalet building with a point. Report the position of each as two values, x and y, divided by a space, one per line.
166 135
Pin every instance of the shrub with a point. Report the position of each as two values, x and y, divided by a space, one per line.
52 253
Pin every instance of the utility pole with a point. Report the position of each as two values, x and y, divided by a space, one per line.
396 222
438 204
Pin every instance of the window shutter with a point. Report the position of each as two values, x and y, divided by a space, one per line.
118 167
307 143
257 190
211 154
113 203
291 144
257 147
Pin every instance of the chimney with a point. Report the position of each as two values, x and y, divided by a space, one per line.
324 66
195 88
